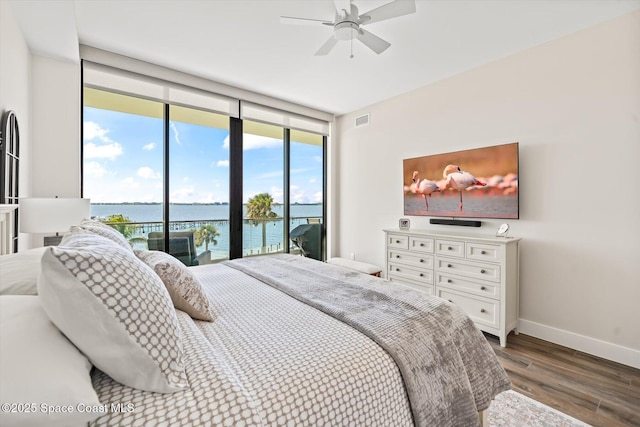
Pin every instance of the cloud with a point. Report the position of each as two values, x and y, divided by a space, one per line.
252 142
94 169
147 173
175 132
109 151
128 180
223 163
182 194
92 130
150 146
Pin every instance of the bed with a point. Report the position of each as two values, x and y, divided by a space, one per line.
262 341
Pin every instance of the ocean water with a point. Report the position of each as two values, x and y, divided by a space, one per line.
147 214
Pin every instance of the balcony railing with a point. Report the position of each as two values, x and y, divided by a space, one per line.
137 233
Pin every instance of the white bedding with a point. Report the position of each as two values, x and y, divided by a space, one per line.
19 272
268 359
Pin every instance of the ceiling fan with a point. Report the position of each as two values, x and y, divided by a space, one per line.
347 24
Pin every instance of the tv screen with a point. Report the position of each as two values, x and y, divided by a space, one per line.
476 183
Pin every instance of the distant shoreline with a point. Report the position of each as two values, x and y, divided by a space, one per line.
185 204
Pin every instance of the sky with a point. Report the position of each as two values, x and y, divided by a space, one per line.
123 162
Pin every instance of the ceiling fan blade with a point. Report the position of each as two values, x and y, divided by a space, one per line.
372 41
343 7
327 46
292 20
387 11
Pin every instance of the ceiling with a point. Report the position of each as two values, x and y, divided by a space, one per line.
242 42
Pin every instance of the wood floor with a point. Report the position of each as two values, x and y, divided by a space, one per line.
594 390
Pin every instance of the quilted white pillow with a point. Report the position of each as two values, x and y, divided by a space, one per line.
185 289
38 365
104 230
117 311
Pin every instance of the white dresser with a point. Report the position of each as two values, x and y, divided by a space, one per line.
478 273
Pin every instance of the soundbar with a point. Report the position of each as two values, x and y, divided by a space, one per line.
459 222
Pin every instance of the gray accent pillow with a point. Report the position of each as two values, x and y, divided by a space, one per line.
116 310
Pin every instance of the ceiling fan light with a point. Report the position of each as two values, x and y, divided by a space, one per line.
345 31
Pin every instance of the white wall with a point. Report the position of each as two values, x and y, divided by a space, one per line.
45 94
574 106
15 77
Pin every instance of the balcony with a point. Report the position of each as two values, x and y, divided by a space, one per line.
137 234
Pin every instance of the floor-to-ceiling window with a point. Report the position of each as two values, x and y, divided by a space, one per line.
199 180
306 189
154 166
263 188
123 162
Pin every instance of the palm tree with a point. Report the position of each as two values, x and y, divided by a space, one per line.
207 234
121 223
258 211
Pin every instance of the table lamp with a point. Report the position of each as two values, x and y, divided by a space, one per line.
52 215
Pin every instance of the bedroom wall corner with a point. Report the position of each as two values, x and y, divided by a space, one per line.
15 89
574 106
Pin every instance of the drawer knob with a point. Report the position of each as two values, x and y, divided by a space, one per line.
482 310
397 256
421 274
397 241
449 281
421 260
449 248
421 244
483 252
482 271
448 265
482 288
449 300
397 269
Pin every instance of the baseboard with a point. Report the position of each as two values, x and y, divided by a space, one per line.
617 353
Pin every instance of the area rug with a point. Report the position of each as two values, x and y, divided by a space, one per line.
512 409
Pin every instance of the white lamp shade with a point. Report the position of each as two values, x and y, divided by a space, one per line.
48 215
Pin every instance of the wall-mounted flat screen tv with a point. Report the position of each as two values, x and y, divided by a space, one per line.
476 183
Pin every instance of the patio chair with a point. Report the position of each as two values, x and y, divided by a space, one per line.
181 245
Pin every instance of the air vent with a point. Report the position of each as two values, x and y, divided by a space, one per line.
362 120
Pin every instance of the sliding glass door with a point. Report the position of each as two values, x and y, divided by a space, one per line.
123 162
198 185
306 192
263 169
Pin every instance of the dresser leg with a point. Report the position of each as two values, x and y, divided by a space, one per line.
484 418
503 340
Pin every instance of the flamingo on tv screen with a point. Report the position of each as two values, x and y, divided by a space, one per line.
476 183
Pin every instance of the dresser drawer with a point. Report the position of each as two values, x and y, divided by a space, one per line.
422 287
485 289
410 258
421 244
398 241
484 252
450 248
424 276
481 311
471 269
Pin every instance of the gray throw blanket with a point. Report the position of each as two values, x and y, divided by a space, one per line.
449 370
